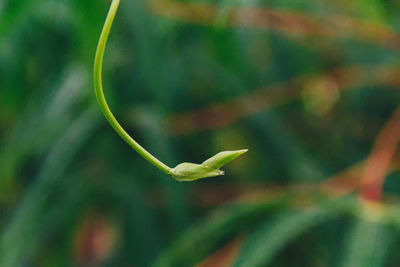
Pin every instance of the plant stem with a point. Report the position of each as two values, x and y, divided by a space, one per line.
98 62
378 163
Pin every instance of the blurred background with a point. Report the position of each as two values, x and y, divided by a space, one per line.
311 88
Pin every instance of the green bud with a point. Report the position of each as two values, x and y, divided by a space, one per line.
190 171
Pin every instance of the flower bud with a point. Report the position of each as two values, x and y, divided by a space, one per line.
190 171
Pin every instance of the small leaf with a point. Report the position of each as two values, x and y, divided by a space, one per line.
190 171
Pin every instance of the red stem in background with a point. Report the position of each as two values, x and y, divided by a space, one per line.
291 22
271 96
379 160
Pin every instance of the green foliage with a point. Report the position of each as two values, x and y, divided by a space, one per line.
307 86
199 240
367 244
264 243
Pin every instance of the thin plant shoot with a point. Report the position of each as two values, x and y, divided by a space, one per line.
182 172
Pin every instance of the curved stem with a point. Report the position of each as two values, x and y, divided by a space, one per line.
98 62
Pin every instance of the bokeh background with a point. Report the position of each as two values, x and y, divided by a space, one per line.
311 88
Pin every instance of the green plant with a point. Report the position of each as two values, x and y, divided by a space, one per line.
184 171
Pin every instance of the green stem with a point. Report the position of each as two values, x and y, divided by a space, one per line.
98 62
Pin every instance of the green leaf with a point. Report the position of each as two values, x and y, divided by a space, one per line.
23 231
199 240
368 244
269 239
190 171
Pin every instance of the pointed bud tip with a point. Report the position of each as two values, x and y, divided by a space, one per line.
238 152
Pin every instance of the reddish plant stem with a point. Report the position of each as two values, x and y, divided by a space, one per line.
271 96
378 162
297 23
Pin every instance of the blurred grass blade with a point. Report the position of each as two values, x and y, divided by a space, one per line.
367 245
24 226
51 112
270 238
198 241
11 15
